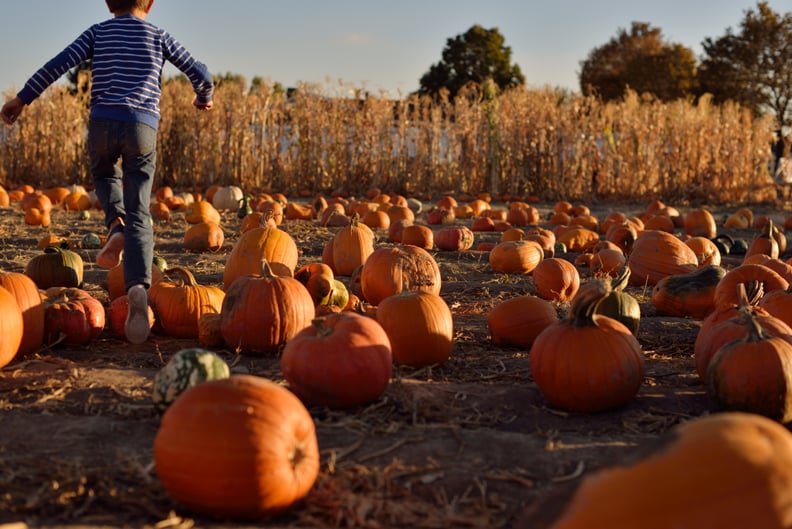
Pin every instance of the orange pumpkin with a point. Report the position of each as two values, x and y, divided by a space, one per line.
420 328
587 362
261 312
352 245
394 269
28 297
178 301
518 321
339 361
657 254
255 441
203 237
418 235
515 257
265 242
700 223
556 279
11 327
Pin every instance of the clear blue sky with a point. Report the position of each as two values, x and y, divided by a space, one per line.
372 44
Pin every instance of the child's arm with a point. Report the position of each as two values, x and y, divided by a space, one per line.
196 71
11 110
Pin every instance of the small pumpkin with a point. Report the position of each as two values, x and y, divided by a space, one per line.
255 441
203 237
56 267
352 245
556 279
454 238
116 315
318 280
515 257
518 321
185 369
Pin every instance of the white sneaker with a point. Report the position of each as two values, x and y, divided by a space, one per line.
110 254
137 326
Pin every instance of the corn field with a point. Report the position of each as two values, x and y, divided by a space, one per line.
543 143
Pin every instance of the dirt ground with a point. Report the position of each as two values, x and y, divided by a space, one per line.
470 443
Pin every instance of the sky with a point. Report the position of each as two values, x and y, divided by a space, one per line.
381 46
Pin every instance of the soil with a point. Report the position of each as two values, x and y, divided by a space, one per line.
469 443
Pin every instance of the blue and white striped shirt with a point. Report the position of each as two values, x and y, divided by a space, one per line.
128 56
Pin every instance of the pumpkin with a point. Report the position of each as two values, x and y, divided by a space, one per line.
556 279
339 361
607 262
438 215
185 369
227 198
352 245
295 211
417 235
688 295
396 230
700 223
578 239
179 301
256 444
11 327
266 242
483 224
587 362
515 257
318 280
56 267
28 297
753 374
766 242
420 328
114 280
726 292
454 238
394 269
656 254
116 315
204 236
201 211
707 252
518 321
730 469
72 316
778 303
210 334
261 312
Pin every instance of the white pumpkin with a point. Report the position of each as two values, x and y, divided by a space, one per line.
227 198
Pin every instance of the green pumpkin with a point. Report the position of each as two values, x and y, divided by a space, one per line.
56 267
91 241
185 369
623 307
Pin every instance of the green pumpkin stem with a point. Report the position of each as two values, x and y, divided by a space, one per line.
584 305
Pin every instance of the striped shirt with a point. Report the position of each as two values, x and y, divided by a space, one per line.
127 55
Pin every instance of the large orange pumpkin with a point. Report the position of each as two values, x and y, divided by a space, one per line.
11 327
261 312
420 328
28 297
394 269
240 447
178 302
267 242
656 254
729 469
342 360
587 362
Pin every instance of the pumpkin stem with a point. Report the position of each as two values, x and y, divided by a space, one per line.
755 331
749 294
620 281
266 269
586 300
184 276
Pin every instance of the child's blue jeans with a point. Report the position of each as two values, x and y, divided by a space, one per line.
125 192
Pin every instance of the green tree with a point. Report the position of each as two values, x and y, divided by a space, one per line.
754 66
473 57
642 61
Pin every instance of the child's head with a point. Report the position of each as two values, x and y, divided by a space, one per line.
127 5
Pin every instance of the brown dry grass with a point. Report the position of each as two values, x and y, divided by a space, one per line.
522 142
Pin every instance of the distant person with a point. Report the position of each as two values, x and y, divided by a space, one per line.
127 56
782 165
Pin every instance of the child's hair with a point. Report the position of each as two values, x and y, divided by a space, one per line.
125 5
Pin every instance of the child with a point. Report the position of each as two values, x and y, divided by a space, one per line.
127 55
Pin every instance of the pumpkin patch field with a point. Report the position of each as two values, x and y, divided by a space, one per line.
477 378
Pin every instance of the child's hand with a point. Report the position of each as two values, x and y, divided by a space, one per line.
11 110
202 106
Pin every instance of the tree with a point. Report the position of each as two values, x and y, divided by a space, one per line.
752 67
475 56
642 61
